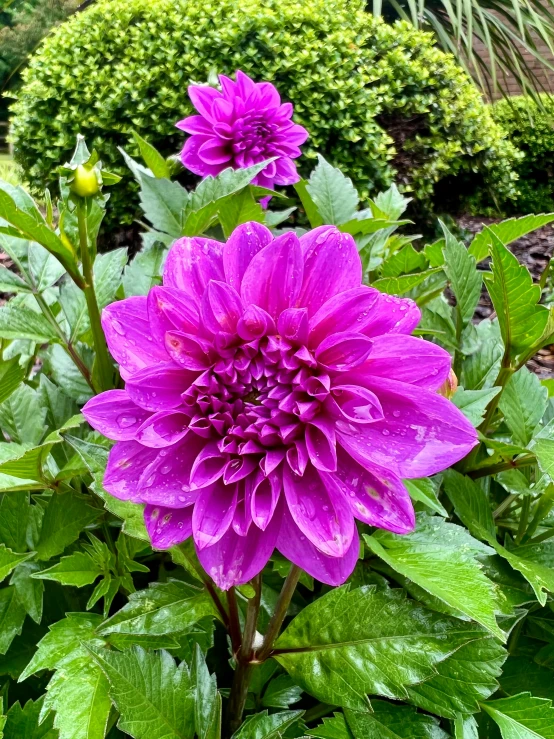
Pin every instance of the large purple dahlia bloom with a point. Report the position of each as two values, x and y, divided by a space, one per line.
242 125
270 400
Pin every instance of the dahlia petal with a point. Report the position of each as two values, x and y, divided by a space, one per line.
190 352
245 85
166 479
356 403
293 325
159 388
297 457
114 414
222 109
192 263
213 513
242 520
207 467
127 461
234 560
221 307
128 335
273 278
376 495
255 323
321 444
300 551
285 169
348 311
264 498
228 86
331 266
324 518
170 310
238 469
343 351
215 151
195 124
296 134
408 359
269 97
162 429
192 161
421 434
167 526
243 244
203 98
392 315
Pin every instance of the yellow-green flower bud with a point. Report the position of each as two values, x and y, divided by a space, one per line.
86 182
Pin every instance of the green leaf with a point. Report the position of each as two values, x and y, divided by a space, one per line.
522 716
523 673
404 283
440 558
155 698
264 726
152 157
9 560
333 193
163 608
507 231
12 616
44 269
78 693
465 727
539 576
461 269
10 282
22 417
14 517
79 569
403 262
473 403
515 298
237 209
542 446
65 374
389 721
11 376
480 370
523 404
64 519
60 408
144 271
353 642
20 322
470 503
23 723
390 203
332 728
63 641
308 204
30 592
425 491
207 705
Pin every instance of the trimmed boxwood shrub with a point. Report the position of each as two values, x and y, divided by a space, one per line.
379 101
531 129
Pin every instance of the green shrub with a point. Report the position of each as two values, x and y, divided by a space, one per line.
380 101
531 130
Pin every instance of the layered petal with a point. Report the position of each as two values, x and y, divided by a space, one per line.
167 527
159 387
166 479
115 415
392 315
243 244
191 264
127 461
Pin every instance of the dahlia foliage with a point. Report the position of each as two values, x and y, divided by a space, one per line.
271 399
242 125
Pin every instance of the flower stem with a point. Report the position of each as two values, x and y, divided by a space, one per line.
524 461
280 613
104 363
234 623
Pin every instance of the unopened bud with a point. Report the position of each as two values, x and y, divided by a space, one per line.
86 181
449 387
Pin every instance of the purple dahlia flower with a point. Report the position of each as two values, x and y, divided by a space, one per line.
270 400
242 125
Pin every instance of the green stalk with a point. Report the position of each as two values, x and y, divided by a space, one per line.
524 461
280 613
104 363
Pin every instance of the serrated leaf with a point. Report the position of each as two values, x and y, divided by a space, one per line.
152 157
403 284
9 560
163 608
44 268
403 262
237 209
539 576
64 640
281 692
425 491
332 728
515 298
22 417
10 282
465 727
11 376
440 558
20 322
60 408
264 726
64 519
66 375
542 446
207 700
389 721
155 698
507 231
30 592
143 272
79 569
308 204
473 403
12 616
23 723
522 716
465 280
470 503
522 673
14 517
333 193
390 202
350 643
523 404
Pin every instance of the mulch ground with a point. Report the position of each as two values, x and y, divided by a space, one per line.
534 250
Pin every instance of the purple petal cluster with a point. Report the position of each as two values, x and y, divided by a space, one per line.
271 399
242 125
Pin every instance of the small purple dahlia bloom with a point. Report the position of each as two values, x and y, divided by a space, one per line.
242 125
270 400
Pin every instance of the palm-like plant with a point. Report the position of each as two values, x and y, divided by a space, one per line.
513 32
